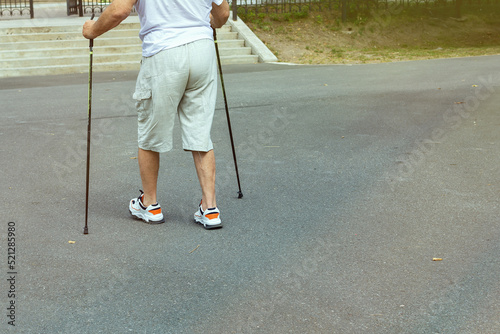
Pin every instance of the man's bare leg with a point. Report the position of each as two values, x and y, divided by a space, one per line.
149 164
205 168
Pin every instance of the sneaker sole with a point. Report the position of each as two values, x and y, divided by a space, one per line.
209 227
151 222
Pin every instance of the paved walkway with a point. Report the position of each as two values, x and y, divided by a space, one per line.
355 178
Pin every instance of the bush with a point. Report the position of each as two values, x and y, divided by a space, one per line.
303 13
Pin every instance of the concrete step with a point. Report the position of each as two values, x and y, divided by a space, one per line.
231 43
108 41
78 29
58 36
68 69
103 67
70 43
76 51
77 35
83 58
65 60
62 49
20 55
240 51
242 59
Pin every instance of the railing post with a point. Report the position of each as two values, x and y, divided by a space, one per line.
32 13
80 8
235 10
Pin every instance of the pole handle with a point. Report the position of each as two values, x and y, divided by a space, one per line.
91 41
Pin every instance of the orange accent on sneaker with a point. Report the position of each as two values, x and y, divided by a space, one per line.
214 215
155 211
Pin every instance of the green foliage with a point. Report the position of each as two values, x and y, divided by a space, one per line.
275 17
302 14
242 12
360 20
249 16
360 12
280 30
337 52
258 17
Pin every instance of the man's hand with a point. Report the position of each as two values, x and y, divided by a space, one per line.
219 14
87 29
115 13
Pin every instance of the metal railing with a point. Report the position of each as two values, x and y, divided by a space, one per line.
81 7
16 7
283 6
94 6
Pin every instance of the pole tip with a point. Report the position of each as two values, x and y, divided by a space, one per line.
240 194
85 230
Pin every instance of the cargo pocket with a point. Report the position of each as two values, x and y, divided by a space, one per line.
143 104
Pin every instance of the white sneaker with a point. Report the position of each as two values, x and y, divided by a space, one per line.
151 215
210 218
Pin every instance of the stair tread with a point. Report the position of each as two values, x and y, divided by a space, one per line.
64 66
86 56
74 31
103 56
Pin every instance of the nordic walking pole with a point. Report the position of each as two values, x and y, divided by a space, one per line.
240 194
89 116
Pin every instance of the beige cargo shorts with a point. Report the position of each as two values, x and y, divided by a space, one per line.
182 82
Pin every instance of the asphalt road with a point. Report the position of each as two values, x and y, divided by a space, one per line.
354 179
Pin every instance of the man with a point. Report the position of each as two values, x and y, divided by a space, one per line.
178 76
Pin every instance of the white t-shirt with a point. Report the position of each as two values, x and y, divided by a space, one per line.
169 23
